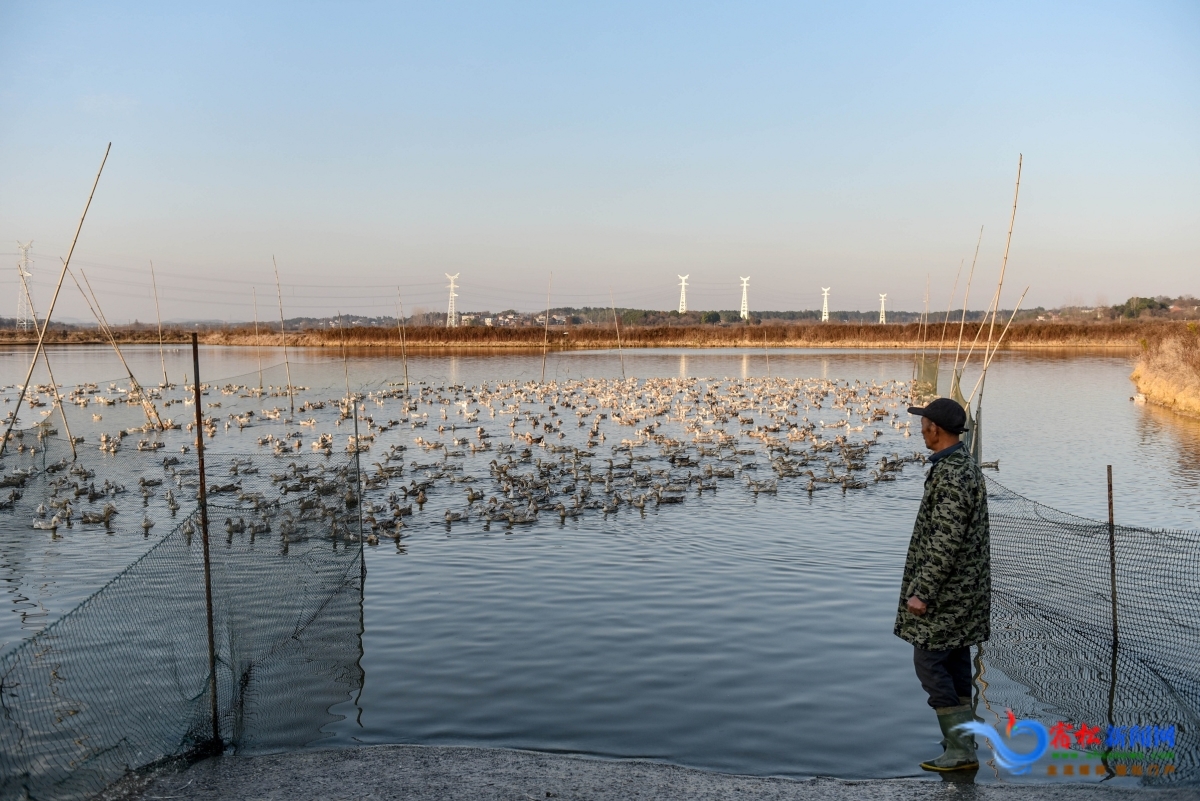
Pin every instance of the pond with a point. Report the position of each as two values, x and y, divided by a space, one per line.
739 631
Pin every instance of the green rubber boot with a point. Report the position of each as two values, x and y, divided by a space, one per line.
959 745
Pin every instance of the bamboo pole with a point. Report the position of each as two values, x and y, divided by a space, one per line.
617 323
283 342
949 305
62 411
1007 243
989 352
134 386
966 298
158 313
403 349
257 341
987 362
546 338
53 300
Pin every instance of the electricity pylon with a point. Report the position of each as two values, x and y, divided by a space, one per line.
451 315
683 292
25 318
882 312
825 304
745 314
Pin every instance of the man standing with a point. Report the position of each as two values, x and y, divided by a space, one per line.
946 593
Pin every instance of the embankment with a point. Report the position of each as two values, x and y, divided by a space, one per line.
1168 373
586 337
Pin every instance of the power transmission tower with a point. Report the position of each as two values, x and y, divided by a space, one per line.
745 304
451 315
25 318
882 313
825 304
683 292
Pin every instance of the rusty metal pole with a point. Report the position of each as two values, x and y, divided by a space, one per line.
1112 559
1112 583
208 599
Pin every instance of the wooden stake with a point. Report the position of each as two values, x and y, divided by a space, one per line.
53 300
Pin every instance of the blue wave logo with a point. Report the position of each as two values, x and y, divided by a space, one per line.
1012 761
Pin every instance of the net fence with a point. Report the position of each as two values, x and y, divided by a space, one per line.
122 681
1127 671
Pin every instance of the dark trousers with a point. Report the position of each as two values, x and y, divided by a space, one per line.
945 675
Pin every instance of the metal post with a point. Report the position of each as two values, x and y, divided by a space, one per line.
1112 559
1112 578
362 554
212 641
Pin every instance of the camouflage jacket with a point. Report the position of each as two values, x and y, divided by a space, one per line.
949 560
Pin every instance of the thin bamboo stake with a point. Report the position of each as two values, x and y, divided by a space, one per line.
949 305
617 323
925 316
283 341
995 306
257 341
966 298
158 314
134 386
403 348
46 359
345 359
1007 242
546 339
979 383
53 300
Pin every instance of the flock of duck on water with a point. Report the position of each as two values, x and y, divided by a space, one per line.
504 453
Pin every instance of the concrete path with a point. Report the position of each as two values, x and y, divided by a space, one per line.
484 774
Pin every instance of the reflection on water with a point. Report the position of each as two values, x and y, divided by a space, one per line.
1158 425
738 633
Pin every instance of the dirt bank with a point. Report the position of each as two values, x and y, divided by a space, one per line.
492 774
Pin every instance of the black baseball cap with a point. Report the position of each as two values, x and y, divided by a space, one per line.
947 414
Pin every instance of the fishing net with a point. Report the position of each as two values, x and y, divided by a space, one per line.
122 681
925 382
1054 634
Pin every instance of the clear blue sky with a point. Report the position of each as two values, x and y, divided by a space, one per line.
616 145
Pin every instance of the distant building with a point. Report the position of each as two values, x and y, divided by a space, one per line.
487 321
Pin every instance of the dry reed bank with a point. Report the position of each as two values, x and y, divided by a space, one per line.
1127 334
1168 373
